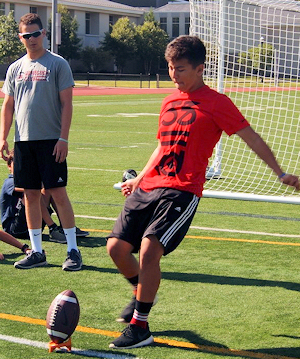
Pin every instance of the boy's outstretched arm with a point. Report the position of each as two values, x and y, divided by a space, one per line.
258 145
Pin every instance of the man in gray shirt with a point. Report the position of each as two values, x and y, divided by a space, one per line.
38 89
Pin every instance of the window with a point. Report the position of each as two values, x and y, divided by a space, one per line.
187 26
33 9
2 8
175 27
87 23
163 23
92 23
11 7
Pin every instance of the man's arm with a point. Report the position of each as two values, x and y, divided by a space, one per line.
61 147
258 145
7 113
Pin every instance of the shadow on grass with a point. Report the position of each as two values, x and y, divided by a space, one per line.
205 346
9 259
215 279
188 337
99 269
280 352
91 242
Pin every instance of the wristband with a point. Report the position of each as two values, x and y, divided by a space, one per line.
62 139
282 175
24 248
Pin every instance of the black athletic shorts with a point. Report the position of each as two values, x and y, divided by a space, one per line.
35 166
164 212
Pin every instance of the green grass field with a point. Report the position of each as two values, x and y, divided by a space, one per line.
229 290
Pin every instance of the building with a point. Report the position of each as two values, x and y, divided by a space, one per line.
174 18
143 3
94 16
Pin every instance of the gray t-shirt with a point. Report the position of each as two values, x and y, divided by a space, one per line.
35 86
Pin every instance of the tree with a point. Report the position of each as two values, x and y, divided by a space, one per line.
94 58
120 43
259 58
151 42
150 17
10 46
70 43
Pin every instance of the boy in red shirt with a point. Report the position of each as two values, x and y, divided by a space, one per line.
163 198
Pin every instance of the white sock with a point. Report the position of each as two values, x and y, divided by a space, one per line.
70 234
36 239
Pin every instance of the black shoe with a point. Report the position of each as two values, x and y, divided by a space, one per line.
81 233
57 235
133 336
127 313
73 261
32 260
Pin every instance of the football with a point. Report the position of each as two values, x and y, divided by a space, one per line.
128 174
62 316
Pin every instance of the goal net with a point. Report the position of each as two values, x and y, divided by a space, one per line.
253 56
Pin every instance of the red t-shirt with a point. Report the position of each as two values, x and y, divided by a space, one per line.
190 125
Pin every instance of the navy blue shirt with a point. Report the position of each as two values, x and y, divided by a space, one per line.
10 201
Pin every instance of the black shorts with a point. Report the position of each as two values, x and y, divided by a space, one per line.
164 212
35 166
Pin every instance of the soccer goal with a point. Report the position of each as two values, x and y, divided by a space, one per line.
253 56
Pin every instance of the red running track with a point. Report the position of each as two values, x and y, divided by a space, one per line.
104 91
98 91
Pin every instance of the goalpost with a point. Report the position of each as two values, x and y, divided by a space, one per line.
253 56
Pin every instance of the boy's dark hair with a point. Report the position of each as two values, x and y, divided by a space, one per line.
30 19
10 158
186 47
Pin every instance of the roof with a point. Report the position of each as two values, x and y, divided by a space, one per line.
183 6
105 5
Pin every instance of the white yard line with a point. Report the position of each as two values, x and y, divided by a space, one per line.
86 353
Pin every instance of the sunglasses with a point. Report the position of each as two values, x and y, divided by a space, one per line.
28 35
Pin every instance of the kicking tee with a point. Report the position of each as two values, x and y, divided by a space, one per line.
190 125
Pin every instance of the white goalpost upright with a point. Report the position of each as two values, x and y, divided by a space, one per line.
253 56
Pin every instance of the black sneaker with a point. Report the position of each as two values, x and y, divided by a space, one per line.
81 233
57 235
127 313
73 261
32 260
133 336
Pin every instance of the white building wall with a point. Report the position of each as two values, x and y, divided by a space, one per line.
80 17
103 25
